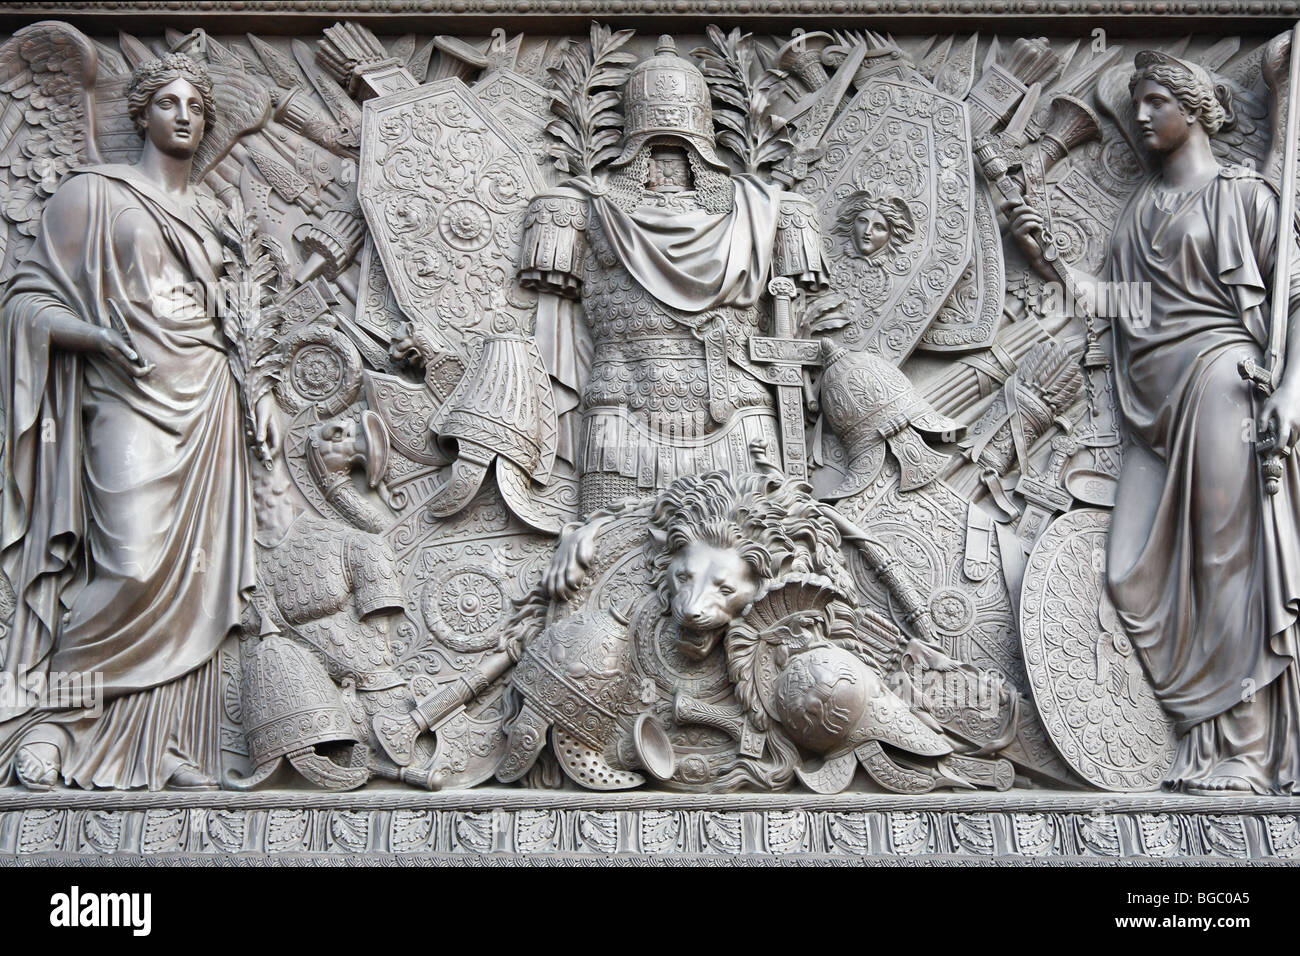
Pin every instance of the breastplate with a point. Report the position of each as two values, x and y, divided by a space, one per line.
651 358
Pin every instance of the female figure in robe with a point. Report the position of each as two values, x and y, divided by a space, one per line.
128 519
1203 566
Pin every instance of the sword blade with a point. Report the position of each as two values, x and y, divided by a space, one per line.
1281 301
794 454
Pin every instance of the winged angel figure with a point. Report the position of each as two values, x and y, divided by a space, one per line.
1208 606
128 518
167 209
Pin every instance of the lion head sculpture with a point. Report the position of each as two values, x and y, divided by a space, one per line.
723 538
748 575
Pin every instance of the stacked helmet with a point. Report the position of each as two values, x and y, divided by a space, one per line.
576 676
666 96
290 708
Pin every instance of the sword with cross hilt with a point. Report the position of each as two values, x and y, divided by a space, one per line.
786 356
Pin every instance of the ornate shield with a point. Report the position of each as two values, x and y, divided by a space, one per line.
969 318
973 620
909 147
1092 691
444 185
523 106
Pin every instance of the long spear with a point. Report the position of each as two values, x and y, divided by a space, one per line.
1268 378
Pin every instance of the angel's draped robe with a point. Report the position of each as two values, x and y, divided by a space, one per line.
128 521
1203 566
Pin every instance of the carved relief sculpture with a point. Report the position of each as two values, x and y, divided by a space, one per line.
1200 557
128 515
754 418
669 256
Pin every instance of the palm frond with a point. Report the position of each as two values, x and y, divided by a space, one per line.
586 103
742 83
249 319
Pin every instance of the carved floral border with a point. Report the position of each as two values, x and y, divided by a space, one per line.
544 828
296 834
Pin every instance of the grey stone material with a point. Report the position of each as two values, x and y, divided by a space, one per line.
600 434
487 826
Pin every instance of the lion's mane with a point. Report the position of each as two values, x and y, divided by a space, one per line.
775 526
780 531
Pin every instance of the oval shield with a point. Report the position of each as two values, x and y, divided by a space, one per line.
1091 689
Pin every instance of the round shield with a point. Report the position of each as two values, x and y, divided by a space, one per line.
1091 689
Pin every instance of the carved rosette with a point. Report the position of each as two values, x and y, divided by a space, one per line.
465 607
322 368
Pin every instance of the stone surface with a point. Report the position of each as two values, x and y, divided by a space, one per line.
495 825
704 416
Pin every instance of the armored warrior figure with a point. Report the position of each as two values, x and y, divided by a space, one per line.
669 258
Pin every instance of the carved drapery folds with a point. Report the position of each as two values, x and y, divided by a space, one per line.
657 411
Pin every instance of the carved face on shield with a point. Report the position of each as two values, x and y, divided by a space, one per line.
874 224
405 216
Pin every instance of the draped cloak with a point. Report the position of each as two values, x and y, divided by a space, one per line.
1204 567
692 262
698 260
127 522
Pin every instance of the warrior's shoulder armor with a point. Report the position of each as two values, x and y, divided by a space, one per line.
554 244
798 251
305 572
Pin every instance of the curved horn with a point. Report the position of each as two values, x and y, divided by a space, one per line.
378 447
653 748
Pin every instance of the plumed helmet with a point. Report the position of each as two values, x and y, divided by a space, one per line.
870 404
666 96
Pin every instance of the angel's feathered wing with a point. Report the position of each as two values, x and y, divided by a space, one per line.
47 79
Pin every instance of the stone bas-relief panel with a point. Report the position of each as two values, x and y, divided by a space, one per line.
831 412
